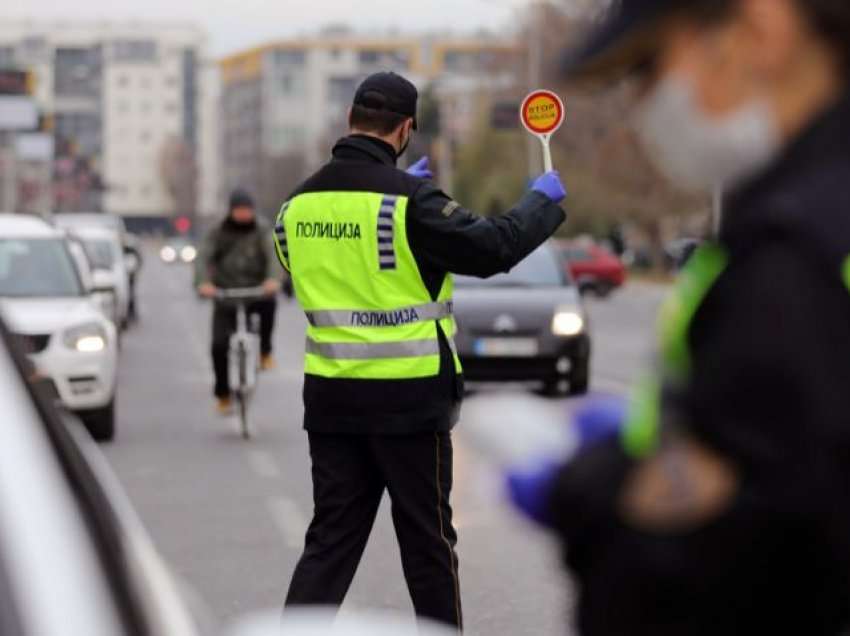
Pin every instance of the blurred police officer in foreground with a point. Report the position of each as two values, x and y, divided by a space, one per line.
723 504
371 250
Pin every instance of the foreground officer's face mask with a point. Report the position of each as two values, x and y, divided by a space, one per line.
697 151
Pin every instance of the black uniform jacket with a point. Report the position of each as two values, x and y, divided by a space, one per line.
444 238
770 393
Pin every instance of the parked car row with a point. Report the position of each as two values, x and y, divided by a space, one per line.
65 293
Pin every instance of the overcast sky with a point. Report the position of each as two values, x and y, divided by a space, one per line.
236 24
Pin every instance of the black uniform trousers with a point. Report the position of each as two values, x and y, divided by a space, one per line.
350 474
223 326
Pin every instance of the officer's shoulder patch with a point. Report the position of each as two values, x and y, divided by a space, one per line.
450 208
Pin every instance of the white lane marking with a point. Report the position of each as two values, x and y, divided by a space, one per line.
289 520
263 464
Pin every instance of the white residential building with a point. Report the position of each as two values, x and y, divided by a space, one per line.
121 98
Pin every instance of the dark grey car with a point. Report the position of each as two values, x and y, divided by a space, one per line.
527 325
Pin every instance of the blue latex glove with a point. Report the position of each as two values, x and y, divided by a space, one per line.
599 419
420 169
529 488
550 186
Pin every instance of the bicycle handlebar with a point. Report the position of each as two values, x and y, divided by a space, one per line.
242 293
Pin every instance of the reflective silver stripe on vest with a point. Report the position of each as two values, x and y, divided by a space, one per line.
380 318
373 351
386 228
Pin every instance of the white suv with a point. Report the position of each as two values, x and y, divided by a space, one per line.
47 301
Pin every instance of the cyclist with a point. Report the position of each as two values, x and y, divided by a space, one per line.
237 253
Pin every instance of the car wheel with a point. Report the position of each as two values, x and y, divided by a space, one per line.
580 377
603 289
100 423
554 388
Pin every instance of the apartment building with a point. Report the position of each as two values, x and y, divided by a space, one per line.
284 103
125 103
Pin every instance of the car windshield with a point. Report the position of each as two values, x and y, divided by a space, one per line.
100 253
37 268
539 269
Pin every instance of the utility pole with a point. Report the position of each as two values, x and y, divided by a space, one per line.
535 63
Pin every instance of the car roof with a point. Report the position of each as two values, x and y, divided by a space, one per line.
89 219
94 232
27 226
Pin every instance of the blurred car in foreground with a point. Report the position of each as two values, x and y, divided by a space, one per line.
593 268
527 325
74 558
50 306
178 251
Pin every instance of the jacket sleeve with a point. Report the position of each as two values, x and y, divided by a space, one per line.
204 262
447 237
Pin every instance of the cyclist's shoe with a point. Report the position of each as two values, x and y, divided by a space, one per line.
267 362
224 406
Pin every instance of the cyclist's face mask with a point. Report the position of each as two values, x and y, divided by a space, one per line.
243 215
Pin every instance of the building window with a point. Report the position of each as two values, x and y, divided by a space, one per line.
145 137
77 73
171 108
145 191
291 84
145 108
7 56
290 57
122 81
341 89
145 82
134 50
172 81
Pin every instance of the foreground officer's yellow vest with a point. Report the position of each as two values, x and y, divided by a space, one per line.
370 315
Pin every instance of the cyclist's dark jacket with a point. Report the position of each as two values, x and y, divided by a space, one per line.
444 237
233 255
770 391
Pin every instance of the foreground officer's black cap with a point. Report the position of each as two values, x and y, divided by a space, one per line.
623 35
390 92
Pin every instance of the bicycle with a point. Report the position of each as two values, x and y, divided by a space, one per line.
244 349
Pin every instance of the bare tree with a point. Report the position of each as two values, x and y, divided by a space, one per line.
179 170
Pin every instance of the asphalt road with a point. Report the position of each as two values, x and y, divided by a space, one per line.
229 515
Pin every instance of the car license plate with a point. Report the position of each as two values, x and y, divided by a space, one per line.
506 347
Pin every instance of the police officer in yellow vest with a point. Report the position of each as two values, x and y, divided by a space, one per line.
371 250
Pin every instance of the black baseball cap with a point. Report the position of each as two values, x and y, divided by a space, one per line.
388 91
624 34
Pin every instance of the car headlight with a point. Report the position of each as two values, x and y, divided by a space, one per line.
567 323
188 254
88 338
168 254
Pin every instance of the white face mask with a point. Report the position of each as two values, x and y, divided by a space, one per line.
698 152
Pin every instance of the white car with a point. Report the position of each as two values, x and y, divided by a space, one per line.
47 301
109 267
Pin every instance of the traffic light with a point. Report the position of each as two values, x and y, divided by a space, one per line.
183 224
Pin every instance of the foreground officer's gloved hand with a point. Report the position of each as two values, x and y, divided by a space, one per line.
550 185
420 169
529 487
